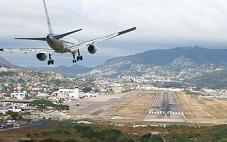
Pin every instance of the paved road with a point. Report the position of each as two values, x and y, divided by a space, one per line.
35 124
165 108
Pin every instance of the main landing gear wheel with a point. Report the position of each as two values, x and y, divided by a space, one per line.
74 61
74 58
78 58
50 61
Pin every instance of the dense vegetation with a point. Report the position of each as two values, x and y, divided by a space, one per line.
43 104
203 134
88 133
14 115
93 133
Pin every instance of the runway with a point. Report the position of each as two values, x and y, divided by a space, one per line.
93 107
117 107
165 108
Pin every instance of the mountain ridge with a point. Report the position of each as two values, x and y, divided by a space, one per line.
66 70
5 63
199 54
176 63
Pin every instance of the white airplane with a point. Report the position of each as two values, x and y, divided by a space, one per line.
60 44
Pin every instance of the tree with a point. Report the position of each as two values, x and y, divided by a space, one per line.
151 138
43 104
62 107
14 115
87 89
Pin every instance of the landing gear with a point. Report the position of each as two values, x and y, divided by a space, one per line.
78 58
74 56
50 61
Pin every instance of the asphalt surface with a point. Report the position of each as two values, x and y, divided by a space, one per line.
92 107
165 108
35 124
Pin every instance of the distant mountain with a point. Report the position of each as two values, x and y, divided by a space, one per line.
177 63
215 80
197 55
5 63
68 71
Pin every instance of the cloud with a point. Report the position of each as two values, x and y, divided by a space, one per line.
171 20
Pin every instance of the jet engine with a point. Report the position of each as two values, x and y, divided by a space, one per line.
41 56
92 49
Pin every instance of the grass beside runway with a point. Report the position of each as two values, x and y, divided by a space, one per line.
135 107
203 110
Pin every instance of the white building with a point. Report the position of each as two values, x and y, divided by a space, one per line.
42 95
67 93
15 109
19 95
74 94
89 94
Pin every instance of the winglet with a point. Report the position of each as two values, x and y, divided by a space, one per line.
126 31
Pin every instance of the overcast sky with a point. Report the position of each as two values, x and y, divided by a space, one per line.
160 24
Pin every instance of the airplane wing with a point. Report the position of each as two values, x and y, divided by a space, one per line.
39 39
101 39
26 50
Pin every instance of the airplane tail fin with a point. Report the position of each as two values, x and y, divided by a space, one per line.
47 17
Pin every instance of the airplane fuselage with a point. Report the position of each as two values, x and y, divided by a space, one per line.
59 46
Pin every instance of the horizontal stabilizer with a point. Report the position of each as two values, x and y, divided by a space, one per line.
66 34
40 39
